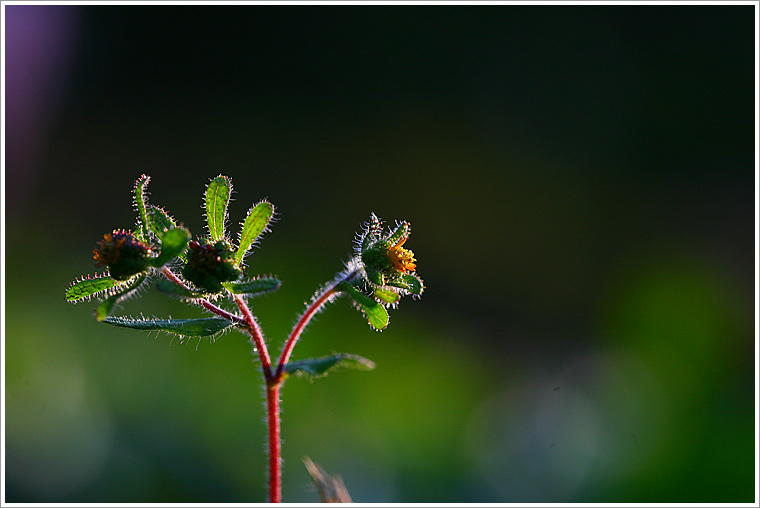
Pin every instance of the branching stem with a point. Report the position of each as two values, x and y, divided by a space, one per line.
299 327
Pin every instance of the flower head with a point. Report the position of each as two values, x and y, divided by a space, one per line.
387 265
210 264
122 253
402 259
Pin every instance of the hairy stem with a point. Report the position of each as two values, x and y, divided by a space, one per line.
310 312
273 403
257 336
275 453
202 301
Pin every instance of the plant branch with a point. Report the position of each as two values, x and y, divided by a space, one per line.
204 302
299 327
248 321
257 336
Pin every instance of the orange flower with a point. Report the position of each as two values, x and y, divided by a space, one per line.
402 259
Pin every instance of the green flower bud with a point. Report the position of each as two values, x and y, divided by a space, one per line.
208 265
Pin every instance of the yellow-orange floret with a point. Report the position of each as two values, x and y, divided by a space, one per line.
402 259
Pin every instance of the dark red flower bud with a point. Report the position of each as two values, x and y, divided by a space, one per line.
208 265
122 253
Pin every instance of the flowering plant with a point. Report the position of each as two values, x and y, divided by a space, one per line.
209 271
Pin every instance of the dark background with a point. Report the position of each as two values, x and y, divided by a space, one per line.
580 181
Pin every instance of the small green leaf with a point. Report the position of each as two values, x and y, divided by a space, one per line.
376 315
317 367
107 305
159 221
400 233
410 282
141 202
87 288
218 195
173 243
387 295
254 225
371 230
186 327
253 287
376 277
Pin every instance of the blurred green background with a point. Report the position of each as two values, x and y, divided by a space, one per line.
580 181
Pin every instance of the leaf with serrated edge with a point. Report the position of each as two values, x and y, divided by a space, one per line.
202 327
159 221
387 295
217 198
317 367
253 287
415 283
409 282
254 225
375 313
107 305
87 288
141 202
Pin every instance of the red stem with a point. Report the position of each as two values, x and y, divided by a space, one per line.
204 303
299 327
273 403
257 337
273 380
275 453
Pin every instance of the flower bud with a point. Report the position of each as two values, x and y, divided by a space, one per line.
122 253
386 263
208 265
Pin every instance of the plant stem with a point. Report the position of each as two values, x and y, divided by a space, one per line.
273 403
273 387
257 337
299 327
202 301
274 382
272 379
275 453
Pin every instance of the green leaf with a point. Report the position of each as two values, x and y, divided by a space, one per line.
141 201
400 233
87 288
387 295
217 198
254 225
173 243
376 315
410 282
317 367
107 305
159 221
253 287
186 327
371 230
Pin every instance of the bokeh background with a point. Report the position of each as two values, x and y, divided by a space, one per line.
580 180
